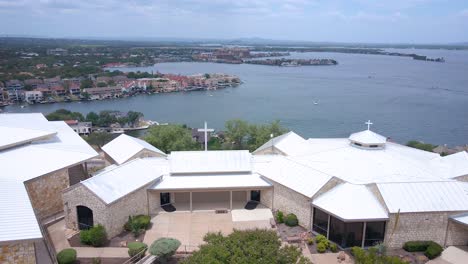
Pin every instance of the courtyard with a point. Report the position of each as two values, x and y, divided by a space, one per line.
190 228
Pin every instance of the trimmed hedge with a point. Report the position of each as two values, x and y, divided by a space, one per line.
164 248
431 249
333 248
291 220
66 256
322 239
96 236
135 248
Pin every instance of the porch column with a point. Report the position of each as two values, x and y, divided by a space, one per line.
328 227
364 234
190 201
230 198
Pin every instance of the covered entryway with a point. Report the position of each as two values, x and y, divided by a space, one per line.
85 217
211 200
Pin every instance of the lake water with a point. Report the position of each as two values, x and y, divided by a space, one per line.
405 99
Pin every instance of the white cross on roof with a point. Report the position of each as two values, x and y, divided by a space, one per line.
206 130
369 123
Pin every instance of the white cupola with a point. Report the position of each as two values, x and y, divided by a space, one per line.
367 139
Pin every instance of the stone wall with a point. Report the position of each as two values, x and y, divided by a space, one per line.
289 201
457 234
135 203
146 154
154 201
45 193
80 195
18 253
463 178
419 226
266 197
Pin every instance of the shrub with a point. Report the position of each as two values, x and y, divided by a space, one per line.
164 248
321 247
136 224
431 249
135 248
333 248
320 238
279 217
66 256
96 260
291 220
363 257
96 236
415 246
310 241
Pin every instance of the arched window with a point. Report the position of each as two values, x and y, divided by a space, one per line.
85 217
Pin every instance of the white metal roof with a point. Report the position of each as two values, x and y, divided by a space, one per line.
351 202
394 163
51 146
425 196
211 182
301 178
453 165
461 218
115 183
14 136
290 144
210 161
124 147
17 219
367 137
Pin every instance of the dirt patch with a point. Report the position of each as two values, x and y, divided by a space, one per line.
410 257
285 231
117 241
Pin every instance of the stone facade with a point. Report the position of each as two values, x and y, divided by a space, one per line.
154 200
266 197
80 195
112 216
45 193
457 234
421 226
463 178
289 201
21 253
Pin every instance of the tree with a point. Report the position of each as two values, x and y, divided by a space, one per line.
99 138
101 84
92 117
134 117
64 114
86 83
251 246
164 248
171 138
236 133
421 145
260 134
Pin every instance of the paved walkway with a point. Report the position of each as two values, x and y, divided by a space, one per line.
452 255
58 234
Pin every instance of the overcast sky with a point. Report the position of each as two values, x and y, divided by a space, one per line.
385 21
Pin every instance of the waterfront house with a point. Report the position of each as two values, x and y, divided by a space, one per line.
74 89
46 91
58 90
33 96
33 82
103 92
15 90
81 128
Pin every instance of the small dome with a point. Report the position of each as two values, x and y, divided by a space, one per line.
367 139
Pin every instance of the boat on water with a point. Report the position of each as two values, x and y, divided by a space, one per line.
315 103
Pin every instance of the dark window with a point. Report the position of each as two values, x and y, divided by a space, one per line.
165 198
85 217
358 144
255 196
345 234
374 146
320 222
375 232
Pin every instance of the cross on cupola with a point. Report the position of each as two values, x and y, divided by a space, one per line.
369 123
206 130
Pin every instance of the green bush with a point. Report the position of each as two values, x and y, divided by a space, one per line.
279 217
135 248
321 247
333 248
310 241
66 256
96 236
164 248
136 224
291 220
320 238
431 249
363 257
